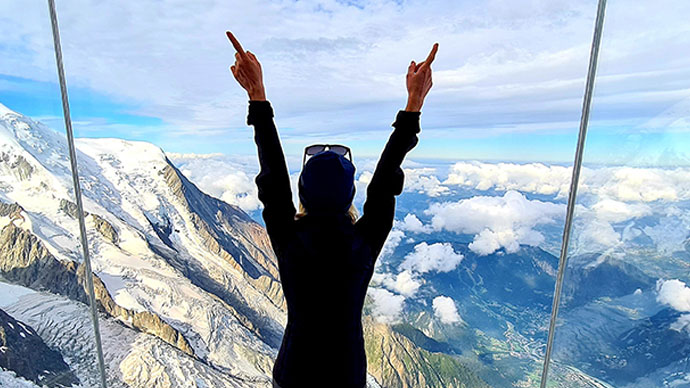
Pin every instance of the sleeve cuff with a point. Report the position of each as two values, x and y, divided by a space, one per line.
406 119
259 110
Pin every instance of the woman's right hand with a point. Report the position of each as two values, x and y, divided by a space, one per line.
419 81
247 71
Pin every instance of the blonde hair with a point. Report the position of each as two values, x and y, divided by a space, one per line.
352 212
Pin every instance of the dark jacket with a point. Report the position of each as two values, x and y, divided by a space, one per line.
326 262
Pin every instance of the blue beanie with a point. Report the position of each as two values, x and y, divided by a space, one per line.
327 184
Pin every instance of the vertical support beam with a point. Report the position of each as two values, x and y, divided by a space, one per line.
77 190
577 165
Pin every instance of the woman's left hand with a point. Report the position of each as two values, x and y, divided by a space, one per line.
247 71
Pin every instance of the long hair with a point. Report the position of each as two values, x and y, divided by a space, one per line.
352 212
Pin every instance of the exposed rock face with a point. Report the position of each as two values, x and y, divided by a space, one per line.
231 234
23 351
70 208
18 165
105 228
11 210
396 362
229 230
24 260
22 168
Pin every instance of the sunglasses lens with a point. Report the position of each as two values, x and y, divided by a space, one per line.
315 149
340 150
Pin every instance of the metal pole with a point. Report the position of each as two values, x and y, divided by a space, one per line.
77 190
584 121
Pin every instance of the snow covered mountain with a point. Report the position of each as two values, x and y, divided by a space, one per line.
187 285
171 261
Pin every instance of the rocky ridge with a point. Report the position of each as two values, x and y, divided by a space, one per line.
23 351
25 261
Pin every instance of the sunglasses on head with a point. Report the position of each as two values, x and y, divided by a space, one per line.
316 148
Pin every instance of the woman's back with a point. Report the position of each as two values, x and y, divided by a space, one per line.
325 274
326 262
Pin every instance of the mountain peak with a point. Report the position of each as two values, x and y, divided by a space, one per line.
5 110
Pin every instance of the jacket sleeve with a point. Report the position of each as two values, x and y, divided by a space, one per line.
273 180
378 212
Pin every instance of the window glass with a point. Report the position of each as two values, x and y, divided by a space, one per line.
624 310
188 284
46 332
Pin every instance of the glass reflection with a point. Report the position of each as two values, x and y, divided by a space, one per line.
46 333
624 313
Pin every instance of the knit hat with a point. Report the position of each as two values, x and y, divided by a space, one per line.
327 184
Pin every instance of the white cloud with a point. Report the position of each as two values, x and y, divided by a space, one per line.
424 181
612 225
592 235
365 177
673 293
627 184
440 257
612 210
641 184
387 306
532 178
412 224
221 177
499 63
406 283
497 222
676 294
445 309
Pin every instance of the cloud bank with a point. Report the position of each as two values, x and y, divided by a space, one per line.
625 184
503 66
222 177
496 222
531 178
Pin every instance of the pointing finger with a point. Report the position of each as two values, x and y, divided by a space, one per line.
432 54
235 43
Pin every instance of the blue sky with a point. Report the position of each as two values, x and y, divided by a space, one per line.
508 79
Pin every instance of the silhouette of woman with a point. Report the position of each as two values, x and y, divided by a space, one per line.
325 256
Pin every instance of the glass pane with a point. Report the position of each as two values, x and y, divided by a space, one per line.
625 309
188 283
46 332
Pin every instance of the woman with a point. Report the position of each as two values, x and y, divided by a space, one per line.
325 256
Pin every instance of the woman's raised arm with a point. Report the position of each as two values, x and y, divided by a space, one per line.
387 182
273 180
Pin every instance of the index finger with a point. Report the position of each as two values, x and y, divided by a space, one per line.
235 43
432 55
